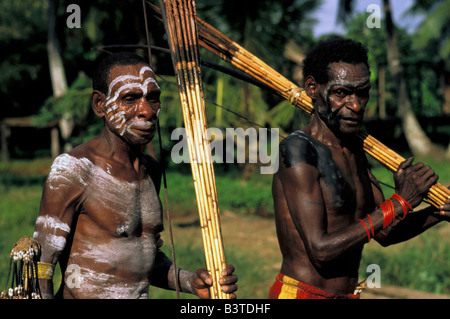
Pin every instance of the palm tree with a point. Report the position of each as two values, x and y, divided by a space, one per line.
433 34
419 143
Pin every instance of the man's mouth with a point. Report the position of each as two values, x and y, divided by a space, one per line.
145 128
352 120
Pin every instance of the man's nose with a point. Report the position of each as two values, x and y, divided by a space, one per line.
147 110
354 103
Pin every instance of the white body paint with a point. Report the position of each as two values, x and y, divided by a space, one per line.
52 222
58 176
117 117
52 226
117 251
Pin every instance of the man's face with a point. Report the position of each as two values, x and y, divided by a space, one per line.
343 99
132 103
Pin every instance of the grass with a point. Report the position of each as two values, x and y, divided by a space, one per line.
250 240
18 210
250 245
422 263
247 197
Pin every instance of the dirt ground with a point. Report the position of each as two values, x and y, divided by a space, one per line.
260 236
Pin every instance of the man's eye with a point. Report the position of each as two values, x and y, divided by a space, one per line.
153 100
341 93
129 99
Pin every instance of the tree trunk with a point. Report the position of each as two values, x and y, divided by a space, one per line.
445 85
419 144
57 73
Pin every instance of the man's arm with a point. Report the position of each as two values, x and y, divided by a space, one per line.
303 193
57 212
413 225
308 211
163 275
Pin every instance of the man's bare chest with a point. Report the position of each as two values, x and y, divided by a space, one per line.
345 182
123 208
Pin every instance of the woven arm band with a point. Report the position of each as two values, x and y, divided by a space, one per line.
44 271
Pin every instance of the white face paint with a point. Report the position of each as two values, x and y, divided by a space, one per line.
113 112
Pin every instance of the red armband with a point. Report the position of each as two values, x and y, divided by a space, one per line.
389 210
371 225
367 229
388 213
404 204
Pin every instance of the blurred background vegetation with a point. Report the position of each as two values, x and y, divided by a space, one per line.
45 86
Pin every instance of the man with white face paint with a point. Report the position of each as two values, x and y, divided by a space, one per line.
327 202
100 215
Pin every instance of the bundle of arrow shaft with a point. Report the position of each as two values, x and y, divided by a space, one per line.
179 20
216 42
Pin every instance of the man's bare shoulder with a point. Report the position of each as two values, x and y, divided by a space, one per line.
91 151
71 169
298 147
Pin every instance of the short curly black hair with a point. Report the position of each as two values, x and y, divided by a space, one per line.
101 73
318 60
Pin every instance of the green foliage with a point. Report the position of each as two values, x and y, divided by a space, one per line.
23 56
263 29
171 114
76 101
18 212
420 72
287 118
433 33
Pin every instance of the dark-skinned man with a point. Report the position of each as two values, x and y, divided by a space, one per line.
327 203
100 215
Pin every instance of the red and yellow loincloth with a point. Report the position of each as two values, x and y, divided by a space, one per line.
288 288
